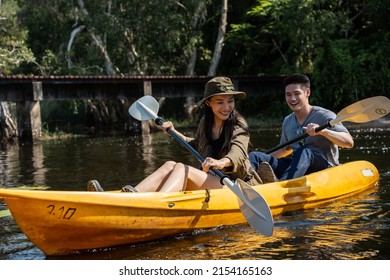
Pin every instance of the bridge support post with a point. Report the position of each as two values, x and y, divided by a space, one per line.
29 115
145 126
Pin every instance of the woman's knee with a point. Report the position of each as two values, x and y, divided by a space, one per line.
179 166
167 167
170 164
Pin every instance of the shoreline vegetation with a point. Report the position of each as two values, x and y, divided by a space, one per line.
254 123
83 131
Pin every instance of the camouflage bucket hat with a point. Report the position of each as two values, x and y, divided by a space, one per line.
219 86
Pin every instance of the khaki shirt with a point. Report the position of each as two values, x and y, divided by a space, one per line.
236 150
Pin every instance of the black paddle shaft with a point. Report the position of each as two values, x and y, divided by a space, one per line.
160 121
303 136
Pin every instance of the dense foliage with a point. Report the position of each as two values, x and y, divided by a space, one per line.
344 45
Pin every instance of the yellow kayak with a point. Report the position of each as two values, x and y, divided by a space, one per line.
65 222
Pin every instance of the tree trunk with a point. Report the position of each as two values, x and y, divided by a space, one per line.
8 129
102 48
132 54
73 35
99 43
220 40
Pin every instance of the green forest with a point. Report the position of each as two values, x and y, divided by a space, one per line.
344 45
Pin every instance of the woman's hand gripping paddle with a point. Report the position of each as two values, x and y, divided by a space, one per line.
252 205
363 111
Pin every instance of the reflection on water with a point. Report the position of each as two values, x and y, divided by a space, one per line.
353 228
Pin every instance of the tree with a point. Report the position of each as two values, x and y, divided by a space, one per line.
8 128
131 37
344 45
284 35
14 51
96 38
355 67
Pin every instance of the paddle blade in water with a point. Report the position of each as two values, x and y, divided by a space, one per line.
264 223
141 108
363 111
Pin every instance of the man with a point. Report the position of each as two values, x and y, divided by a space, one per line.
314 153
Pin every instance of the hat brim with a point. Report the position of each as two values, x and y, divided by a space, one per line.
240 94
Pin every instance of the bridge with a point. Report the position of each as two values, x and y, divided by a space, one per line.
27 91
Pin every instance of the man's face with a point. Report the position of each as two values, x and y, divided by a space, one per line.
297 96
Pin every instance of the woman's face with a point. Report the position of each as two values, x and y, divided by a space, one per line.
221 105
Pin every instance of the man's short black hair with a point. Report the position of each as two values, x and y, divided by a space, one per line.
297 79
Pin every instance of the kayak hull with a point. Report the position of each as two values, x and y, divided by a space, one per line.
65 222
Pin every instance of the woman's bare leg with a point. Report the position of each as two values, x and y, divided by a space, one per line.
198 180
185 177
177 179
156 180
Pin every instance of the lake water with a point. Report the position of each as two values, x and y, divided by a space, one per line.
354 228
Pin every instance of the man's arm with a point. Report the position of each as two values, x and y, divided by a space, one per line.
341 139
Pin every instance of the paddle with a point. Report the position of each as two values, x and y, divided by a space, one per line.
366 110
252 205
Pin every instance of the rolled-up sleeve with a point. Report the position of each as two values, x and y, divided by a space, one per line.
238 152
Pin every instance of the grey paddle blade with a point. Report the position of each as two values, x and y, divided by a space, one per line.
263 224
145 108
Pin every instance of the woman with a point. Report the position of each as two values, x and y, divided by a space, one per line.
222 139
